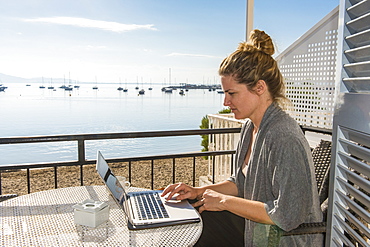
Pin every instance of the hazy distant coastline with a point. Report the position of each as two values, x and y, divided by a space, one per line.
4 79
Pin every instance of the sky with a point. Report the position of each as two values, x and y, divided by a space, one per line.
140 41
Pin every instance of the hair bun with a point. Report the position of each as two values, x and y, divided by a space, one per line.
261 41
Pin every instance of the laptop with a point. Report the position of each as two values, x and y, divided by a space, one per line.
145 209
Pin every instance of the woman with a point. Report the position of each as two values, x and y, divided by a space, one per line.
274 181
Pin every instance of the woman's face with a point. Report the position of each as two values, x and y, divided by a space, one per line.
242 102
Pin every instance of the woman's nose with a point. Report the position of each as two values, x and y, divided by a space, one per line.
226 101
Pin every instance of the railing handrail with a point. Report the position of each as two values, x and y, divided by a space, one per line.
124 135
316 130
142 134
81 138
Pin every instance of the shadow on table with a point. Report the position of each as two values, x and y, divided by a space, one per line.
95 234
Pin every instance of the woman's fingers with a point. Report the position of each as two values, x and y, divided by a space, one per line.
180 188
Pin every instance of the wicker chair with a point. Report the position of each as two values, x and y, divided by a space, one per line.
321 158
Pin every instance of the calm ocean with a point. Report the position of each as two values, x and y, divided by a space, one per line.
31 111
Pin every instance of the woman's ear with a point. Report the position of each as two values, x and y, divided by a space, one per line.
261 87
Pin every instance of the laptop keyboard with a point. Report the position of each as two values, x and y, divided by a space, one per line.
150 206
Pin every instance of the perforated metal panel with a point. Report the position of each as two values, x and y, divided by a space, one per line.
308 67
349 198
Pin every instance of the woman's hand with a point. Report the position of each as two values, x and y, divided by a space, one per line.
211 201
183 191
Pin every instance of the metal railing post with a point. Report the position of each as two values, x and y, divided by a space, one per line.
173 170
81 158
152 174
81 151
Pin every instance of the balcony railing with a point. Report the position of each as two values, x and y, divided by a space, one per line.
82 161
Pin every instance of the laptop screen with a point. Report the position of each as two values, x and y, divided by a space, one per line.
110 180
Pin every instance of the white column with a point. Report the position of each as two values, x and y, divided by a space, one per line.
249 18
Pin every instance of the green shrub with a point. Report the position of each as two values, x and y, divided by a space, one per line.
205 125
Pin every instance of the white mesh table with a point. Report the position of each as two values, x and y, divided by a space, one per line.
46 219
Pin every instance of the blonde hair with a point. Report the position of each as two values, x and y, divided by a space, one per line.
252 61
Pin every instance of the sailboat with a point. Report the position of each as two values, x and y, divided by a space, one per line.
168 90
76 86
96 86
64 83
125 89
150 88
142 91
42 85
69 87
2 88
51 84
120 88
137 82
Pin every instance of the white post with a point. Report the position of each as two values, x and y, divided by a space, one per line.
249 19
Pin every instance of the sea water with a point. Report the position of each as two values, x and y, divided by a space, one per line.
27 111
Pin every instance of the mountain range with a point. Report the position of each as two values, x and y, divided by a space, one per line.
12 79
4 79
